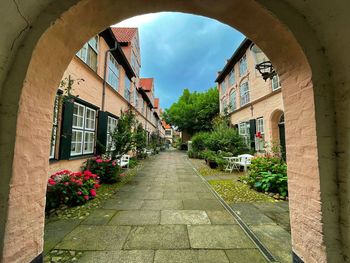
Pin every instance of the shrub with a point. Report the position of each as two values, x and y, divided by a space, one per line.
133 162
104 167
268 174
140 141
199 141
69 188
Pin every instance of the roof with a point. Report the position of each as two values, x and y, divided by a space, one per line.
165 125
117 52
156 103
234 59
124 34
146 84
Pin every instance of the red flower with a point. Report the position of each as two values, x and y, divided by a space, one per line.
107 160
99 160
52 182
93 192
79 193
80 183
86 197
97 186
66 183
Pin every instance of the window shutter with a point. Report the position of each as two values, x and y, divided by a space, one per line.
252 130
102 132
66 130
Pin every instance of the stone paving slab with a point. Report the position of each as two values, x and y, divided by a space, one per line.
86 237
184 217
127 204
99 217
162 204
245 255
202 205
218 237
190 256
180 195
136 217
120 256
158 237
251 215
221 217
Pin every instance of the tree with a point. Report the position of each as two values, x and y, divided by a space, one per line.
194 111
140 140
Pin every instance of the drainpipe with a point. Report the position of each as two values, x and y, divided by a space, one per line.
105 74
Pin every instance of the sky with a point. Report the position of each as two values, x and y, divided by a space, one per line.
182 51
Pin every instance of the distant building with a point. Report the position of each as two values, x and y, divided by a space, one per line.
254 106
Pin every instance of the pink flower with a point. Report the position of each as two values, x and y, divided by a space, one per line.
66 183
99 160
79 193
114 163
52 182
93 192
107 160
86 197
80 183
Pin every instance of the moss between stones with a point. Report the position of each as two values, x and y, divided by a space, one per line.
233 192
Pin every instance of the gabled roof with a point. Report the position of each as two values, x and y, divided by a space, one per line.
146 84
156 103
124 34
233 60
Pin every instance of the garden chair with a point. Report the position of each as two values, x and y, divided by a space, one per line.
244 160
124 161
232 163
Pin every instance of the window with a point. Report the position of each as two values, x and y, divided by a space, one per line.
233 105
243 66
83 131
127 88
167 132
223 87
113 72
136 98
275 83
88 53
244 93
111 126
232 77
224 105
244 131
54 127
259 136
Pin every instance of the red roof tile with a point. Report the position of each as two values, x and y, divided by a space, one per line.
124 34
146 83
156 103
165 125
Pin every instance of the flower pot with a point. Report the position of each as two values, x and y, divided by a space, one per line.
212 164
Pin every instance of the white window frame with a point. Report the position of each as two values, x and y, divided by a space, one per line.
232 78
223 87
83 52
127 88
233 100
243 66
111 126
83 130
259 142
244 93
113 72
273 82
54 127
244 131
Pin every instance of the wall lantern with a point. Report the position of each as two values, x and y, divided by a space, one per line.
266 70
263 65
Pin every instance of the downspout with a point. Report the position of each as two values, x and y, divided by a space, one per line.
105 75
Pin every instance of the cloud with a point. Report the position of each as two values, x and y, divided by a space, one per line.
139 21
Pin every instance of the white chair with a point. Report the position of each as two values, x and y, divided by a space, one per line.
232 163
124 161
244 160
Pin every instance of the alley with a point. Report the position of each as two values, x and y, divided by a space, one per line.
165 214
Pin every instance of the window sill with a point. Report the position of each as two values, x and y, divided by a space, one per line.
78 157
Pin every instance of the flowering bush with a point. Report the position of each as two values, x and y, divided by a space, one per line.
104 167
66 187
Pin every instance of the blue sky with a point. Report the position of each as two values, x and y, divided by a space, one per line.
182 51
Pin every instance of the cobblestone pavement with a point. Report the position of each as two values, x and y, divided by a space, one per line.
165 214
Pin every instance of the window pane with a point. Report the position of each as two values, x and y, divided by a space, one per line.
78 116
233 100
232 77
93 42
92 59
244 93
89 142
77 142
90 119
243 66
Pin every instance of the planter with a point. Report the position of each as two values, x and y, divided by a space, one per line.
212 164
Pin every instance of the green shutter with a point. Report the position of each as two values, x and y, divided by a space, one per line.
66 130
102 132
252 130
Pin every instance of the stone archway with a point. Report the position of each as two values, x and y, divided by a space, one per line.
27 97
274 128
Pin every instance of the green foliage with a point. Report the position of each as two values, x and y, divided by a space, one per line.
194 111
268 174
140 141
122 136
199 141
132 162
104 167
